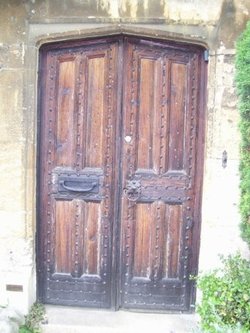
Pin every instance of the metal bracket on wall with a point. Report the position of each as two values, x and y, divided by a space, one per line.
206 55
224 159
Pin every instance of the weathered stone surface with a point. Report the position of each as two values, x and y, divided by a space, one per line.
8 327
13 16
220 217
234 15
18 273
12 189
27 24
12 56
222 129
76 320
12 315
16 253
10 320
220 211
11 105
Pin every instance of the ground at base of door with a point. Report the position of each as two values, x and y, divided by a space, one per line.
78 320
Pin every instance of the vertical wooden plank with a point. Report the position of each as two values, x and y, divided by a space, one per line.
162 121
95 111
173 226
159 233
178 83
146 113
91 246
65 135
64 247
142 241
77 237
80 110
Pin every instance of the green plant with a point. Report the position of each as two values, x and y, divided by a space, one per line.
33 319
24 329
225 329
243 89
225 304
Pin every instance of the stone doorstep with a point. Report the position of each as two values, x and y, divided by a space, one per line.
78 320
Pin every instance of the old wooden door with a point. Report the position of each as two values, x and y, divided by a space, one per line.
120 173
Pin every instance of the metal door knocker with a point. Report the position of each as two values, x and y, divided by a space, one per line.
133 190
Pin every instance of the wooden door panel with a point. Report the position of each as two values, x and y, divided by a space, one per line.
64 237
78 147
77 238
147 121
172 239
142 260
92 232
177 115
160 110
96 109
156 251
65 138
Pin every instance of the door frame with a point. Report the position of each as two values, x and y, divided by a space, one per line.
200 150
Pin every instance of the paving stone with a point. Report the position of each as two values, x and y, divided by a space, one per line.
78 320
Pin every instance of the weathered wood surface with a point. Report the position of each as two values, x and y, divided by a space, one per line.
120 133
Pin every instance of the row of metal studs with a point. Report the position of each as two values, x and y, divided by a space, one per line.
79 206
107 169
193 68
51 116
130 212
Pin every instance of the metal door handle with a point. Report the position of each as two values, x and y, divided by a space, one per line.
78 188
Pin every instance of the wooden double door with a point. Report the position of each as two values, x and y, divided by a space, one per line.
120 173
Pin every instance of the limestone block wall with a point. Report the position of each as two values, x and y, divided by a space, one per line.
16 243
25 25
220 214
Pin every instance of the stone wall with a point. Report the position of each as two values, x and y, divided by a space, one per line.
25 25
220 215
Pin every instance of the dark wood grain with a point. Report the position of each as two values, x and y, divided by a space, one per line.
63 237
177 116
95 111
173 220
142 241
92 233
65 139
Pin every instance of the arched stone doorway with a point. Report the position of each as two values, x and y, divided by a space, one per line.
120 168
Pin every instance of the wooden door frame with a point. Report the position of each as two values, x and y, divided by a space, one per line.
148 34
